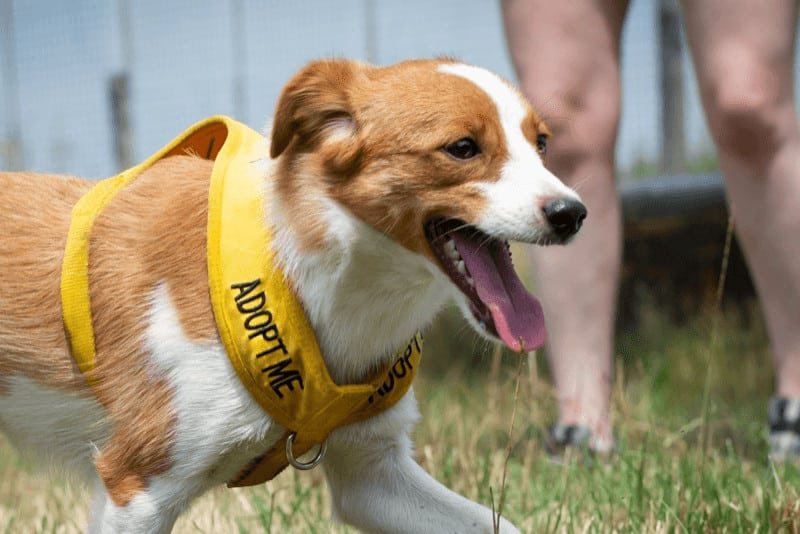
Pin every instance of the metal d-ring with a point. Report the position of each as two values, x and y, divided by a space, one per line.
297 464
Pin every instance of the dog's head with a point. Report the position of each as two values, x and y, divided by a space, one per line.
445 159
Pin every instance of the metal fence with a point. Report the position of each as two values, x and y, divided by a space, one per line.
185 59
189 58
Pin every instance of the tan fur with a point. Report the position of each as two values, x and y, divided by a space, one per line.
436 109
153 232
34 218
533 127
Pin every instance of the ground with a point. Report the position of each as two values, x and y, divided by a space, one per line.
689 407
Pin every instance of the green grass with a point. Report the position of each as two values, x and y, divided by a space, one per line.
689 408
700 163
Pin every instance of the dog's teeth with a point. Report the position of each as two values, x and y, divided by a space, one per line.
460 267
470 281
450 249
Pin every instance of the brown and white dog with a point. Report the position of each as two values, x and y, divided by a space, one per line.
393 190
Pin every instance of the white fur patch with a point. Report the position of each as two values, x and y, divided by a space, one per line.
215 413
219 429
53 424
365 295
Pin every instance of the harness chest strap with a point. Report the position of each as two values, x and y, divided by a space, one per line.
388 387
262 326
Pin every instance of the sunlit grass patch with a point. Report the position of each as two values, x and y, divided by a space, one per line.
690 417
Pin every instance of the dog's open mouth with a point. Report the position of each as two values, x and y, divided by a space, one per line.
480 266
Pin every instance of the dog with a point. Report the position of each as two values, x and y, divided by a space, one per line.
387 192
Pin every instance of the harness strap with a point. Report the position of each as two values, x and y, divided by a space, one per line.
260 322
204 138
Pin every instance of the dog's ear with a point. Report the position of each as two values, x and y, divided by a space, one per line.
315 107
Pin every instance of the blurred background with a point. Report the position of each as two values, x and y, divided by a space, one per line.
89 87
181 60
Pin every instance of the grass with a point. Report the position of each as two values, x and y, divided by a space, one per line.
689 412
699 163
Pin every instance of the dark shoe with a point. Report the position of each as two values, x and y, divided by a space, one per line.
784 429
563 441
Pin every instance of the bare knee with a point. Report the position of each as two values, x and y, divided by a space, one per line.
750 114
584 119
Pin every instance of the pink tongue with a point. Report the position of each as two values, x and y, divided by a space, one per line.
517 315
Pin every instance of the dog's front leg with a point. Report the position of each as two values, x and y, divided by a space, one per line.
378 487
146 512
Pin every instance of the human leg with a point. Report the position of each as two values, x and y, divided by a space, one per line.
744 54
567 58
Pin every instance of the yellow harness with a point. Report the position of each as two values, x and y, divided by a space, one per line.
261 324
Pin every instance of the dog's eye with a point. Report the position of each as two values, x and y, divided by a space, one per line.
541 144
465 148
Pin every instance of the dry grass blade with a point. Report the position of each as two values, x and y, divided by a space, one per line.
509 448
723 271
705 437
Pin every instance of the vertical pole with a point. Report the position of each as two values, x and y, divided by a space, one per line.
125 34
13 145
370 35
120 92
673 144
239 49
121 121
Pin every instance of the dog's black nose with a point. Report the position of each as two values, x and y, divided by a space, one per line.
565 215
